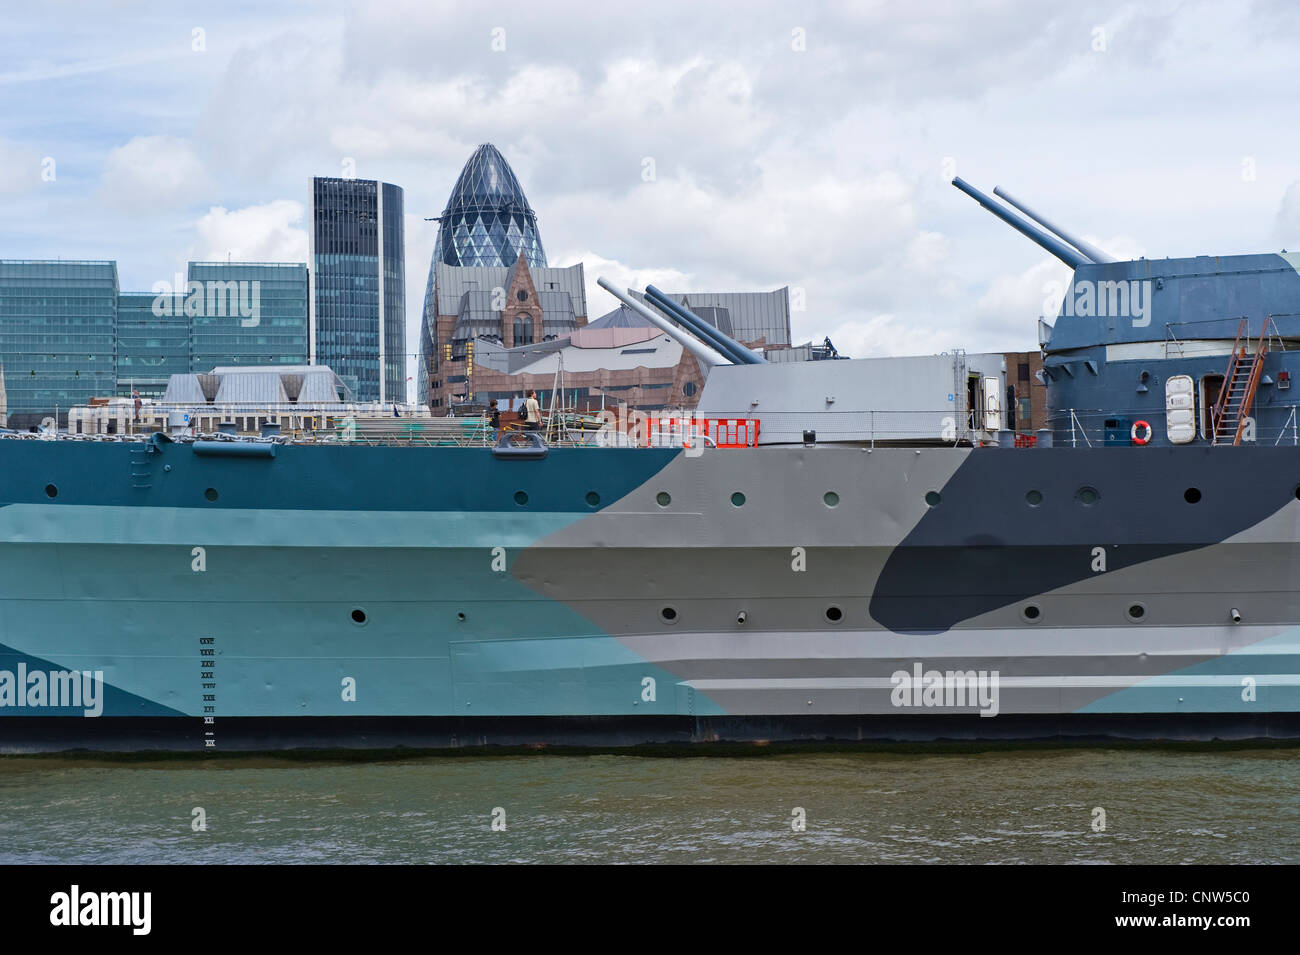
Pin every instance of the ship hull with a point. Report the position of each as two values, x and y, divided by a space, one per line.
442 597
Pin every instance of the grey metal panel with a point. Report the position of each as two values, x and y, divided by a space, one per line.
661 352
570 280
621 317
251 386
557 308
454 281
184 389
797 353
865 399
257 384
509 360
320 386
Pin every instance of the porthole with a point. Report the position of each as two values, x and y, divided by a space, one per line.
1136 612
668 615
932 498
521 498
834 614
831 499
210 494
1087 496
738 499
1297 492
51 491
461 616
593 499
359 617
1034 498
1192 495
1032 613
663 498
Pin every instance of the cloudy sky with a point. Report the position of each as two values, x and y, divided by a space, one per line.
696 146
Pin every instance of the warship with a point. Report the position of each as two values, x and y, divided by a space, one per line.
833 551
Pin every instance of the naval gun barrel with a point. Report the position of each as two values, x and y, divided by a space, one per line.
706 355
719 339
1087 248
1067 254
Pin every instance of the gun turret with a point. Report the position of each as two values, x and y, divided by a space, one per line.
1087 248
720 340
1067 254
707 356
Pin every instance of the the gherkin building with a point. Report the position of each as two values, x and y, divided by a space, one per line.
488 221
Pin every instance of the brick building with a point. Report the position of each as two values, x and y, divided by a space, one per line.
1029 394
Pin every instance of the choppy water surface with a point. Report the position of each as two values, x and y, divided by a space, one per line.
1008 806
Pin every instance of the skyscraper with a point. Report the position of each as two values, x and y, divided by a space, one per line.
486 225
358 285
488 221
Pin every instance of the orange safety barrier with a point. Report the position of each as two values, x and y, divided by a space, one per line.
724 432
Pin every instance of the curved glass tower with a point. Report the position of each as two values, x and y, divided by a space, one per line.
488 221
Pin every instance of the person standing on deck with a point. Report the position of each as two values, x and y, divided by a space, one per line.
532 413
495 420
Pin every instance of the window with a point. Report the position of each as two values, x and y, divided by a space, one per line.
523 330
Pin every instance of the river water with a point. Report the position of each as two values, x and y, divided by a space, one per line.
991 806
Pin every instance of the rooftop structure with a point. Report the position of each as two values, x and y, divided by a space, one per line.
301 384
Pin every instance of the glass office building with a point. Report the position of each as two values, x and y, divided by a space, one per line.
488 220
67 334
57 336
252 313
358 280
151 347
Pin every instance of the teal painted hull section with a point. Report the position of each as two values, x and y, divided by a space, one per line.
406 583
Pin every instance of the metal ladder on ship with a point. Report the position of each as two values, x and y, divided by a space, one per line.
141 469
1239 386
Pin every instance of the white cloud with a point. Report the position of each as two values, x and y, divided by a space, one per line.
887 334
20 168
621 275
264 233
817 169
1036 292
153 174
1287 227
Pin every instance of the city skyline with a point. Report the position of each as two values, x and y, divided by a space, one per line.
731 155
